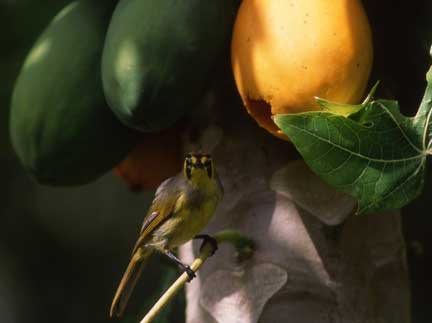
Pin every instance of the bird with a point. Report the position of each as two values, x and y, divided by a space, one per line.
182 207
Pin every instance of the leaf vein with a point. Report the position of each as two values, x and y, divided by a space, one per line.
355 153
401 129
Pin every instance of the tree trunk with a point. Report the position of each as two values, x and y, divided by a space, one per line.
315 261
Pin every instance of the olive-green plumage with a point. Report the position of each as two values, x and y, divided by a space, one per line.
182 207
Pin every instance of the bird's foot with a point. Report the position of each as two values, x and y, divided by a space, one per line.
206 238
191 274
183 267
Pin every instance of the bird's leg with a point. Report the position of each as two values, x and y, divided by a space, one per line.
206 238
187 269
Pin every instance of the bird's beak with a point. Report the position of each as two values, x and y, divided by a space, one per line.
199 165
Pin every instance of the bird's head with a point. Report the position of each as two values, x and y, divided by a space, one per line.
198 167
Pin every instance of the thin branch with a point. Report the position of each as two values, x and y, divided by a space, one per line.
426 128
244 246
429 146
371 94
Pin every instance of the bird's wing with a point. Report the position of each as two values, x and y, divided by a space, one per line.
162 208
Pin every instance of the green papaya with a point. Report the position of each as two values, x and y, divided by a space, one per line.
159 56
61 127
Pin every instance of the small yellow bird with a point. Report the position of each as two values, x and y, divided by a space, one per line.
182 207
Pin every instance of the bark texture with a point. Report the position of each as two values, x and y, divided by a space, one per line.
315 261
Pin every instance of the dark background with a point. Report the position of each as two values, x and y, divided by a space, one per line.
62 250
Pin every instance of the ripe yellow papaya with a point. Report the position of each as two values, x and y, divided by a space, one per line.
284 53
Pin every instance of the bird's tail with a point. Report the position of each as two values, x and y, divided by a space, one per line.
128 281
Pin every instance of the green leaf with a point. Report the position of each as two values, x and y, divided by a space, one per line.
375 154
346 109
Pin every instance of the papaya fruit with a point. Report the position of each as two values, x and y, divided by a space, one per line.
159 55
61 127
156 157
284 53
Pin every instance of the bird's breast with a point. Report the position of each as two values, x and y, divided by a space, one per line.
191 219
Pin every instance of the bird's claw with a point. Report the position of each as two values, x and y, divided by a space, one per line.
191 274
206 238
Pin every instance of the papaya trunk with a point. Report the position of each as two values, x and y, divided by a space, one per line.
315 261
